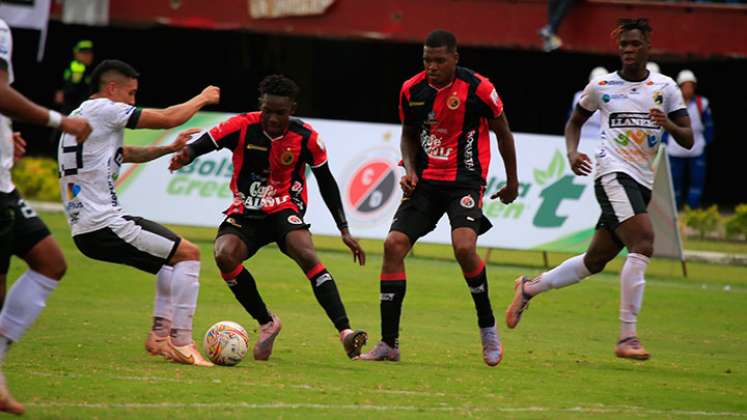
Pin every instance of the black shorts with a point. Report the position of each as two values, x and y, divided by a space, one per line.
132 241
620 198
20 228
418 214
258 232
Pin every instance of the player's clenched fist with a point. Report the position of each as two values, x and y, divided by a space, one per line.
211 94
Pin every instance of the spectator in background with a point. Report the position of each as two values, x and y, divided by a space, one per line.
692 161
76 84
592 129
556 11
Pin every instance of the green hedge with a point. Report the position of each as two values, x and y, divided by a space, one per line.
36 179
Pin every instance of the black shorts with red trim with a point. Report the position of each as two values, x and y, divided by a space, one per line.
418 214
257 232
20 228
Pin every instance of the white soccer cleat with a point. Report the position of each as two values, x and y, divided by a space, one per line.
186 355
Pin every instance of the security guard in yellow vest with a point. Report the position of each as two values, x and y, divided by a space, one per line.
76 78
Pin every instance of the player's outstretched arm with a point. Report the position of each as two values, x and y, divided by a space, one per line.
580 162
16 106
331 196
134 154
507 148
177 115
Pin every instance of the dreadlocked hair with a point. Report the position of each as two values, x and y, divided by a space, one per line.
626 24
279 85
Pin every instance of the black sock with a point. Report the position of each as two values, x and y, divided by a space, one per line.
244 287
478 286
325 291
393 287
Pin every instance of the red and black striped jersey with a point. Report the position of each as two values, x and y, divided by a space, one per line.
453 122
269 174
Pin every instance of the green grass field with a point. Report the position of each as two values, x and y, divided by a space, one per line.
84 357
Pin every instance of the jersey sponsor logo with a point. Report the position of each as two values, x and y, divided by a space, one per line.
453 102
467 202
416 103
658 98
371 186
295 220
494 97
469 151
287 157
297 187
632 120
263 196
432 146
72 190
255 147
611 82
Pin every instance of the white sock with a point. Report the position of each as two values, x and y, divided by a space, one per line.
24 302
632 284
185 286
163 307
571 271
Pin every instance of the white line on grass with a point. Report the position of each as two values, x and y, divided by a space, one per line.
345 407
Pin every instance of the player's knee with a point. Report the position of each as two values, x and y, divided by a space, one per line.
53 268
464 251
304 256
189 251
594 263
225 260
396 246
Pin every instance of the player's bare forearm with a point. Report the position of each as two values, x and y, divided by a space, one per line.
506 147
16 106
132 154
573 131
409 147
682 132
177 115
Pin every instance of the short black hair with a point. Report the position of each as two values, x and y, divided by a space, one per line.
441 38
279 85
108 67
627 24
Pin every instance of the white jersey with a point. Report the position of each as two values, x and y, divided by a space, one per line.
630 138
592 128
6 48
6 129
88 172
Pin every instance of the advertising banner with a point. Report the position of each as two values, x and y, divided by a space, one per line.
555 210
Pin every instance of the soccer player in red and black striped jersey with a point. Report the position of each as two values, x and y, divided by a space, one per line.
447 112
270 153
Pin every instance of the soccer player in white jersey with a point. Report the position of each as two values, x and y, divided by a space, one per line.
636 106
101 230
22 232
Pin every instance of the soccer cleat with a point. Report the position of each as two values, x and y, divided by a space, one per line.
267 334
381 352
550 41
186 355
492 348
631 348
156 345
353 341
9 404
519 304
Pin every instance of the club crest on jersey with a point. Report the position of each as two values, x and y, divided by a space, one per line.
453 102
294 220
286 158
467 202
658 97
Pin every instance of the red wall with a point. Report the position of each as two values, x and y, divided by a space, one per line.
679 28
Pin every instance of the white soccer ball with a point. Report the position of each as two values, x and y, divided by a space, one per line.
226 343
